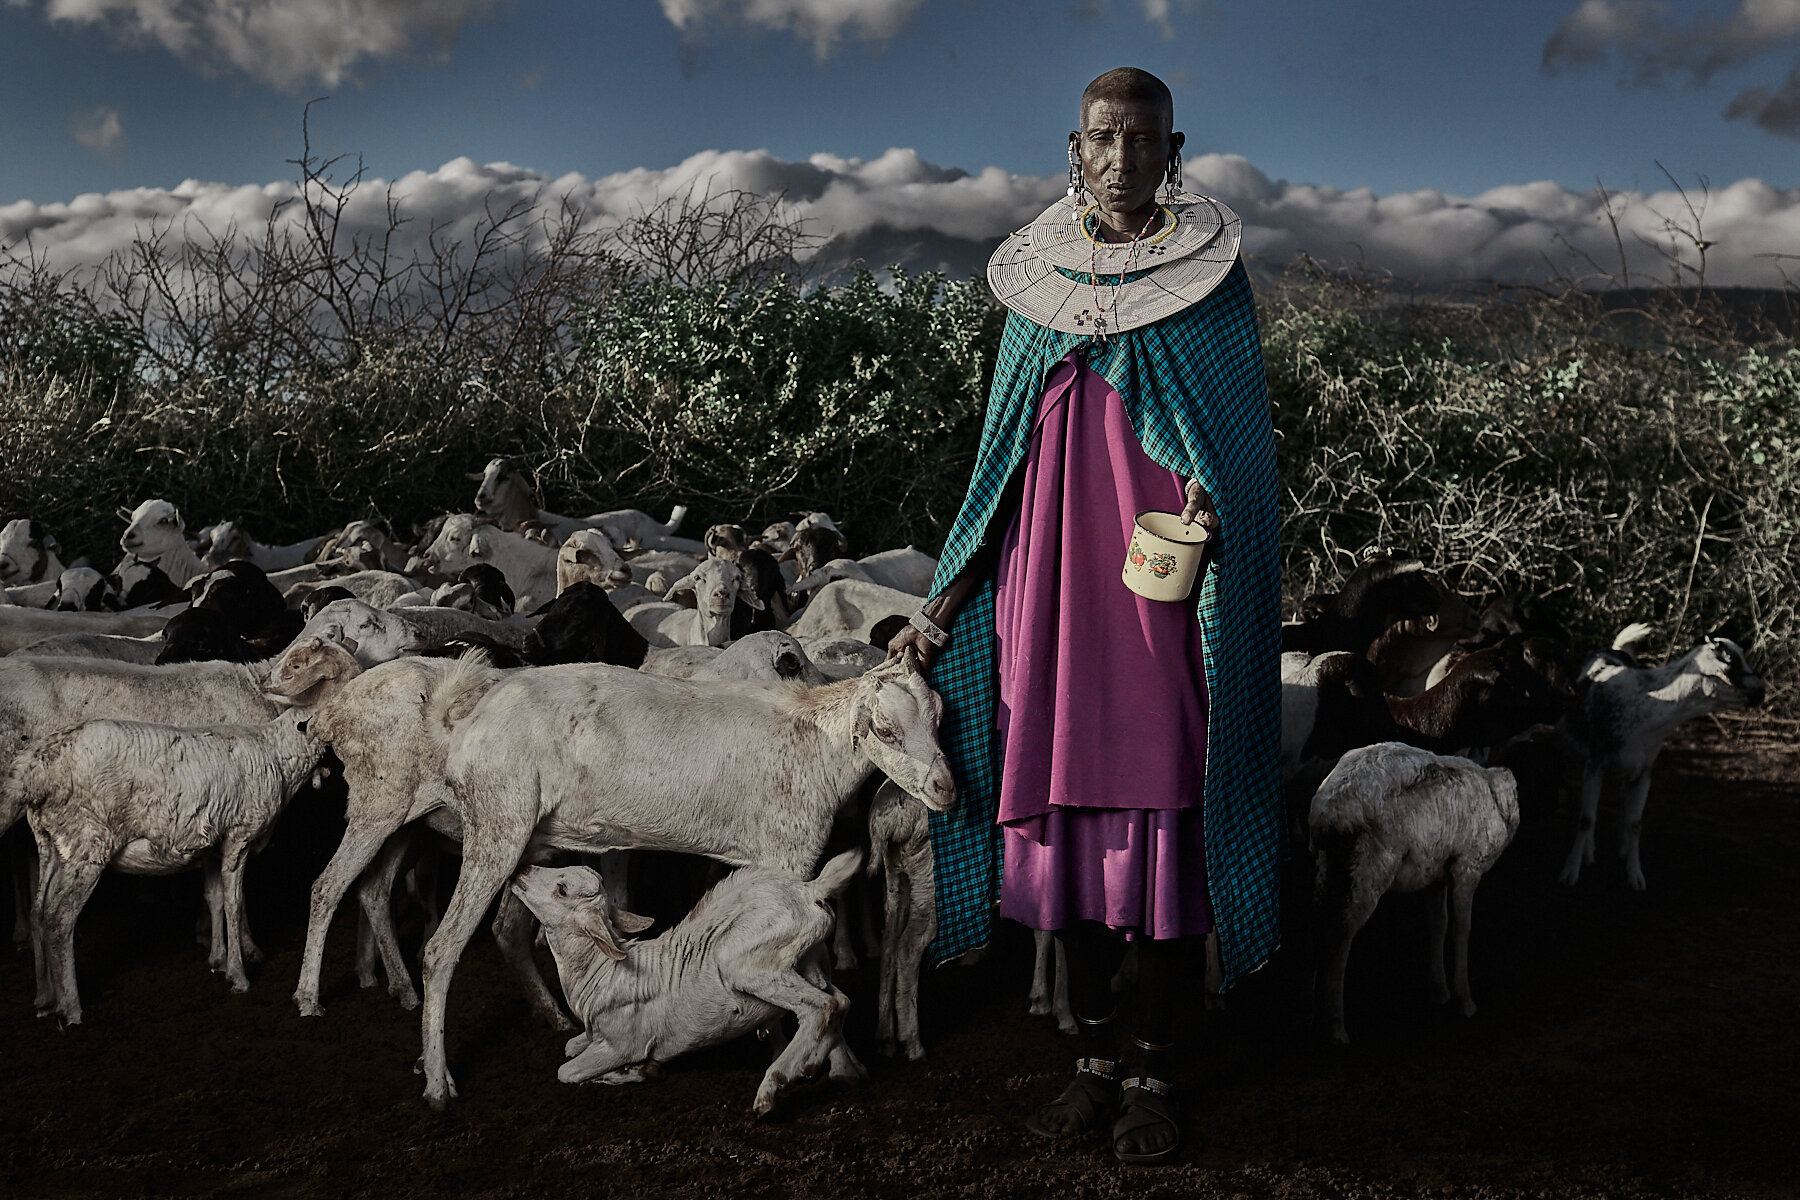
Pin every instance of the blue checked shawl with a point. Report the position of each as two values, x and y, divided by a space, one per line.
1194 388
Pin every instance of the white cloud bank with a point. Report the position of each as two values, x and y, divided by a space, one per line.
1650 45
279 42
899 208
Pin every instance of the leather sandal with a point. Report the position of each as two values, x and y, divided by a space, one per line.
1143 1103
1091 1096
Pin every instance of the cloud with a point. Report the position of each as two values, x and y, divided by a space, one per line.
100 130
823 22
826 22
900 208
1650 45
1777 111
284 43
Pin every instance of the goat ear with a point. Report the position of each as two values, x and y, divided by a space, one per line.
684 584
591 924
630 922
477 476
788 554
747 593
865 717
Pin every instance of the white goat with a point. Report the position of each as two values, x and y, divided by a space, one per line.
1622 715
29 564
83 589
151 800
509 497
19 627
717 586
380 589
588 554
589 757
1392 817
750 952
765 657
530 567
378 635
230 540
906 570
154 533
850 608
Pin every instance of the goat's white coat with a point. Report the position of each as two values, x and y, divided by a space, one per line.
154 533
152 799
1392 817
749 952
851 608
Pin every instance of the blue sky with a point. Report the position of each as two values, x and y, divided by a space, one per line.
1397 97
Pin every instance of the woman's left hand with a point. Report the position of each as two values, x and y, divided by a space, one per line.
1200 507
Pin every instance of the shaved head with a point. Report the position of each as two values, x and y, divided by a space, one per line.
1130 85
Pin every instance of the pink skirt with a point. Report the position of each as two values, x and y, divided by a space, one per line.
1102 693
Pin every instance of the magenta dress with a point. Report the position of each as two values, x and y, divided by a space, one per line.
1102 693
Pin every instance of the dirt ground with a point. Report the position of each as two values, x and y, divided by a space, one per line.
1628 1045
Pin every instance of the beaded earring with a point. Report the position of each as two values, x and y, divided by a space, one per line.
1076 184
1172 182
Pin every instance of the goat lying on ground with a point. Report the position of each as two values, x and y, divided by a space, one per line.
750 952
1392 817
1622 715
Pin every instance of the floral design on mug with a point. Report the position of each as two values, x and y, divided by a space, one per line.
1136 555
1162 565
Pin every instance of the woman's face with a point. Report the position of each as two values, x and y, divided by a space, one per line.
1124 149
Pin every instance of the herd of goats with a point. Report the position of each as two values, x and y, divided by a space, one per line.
534 691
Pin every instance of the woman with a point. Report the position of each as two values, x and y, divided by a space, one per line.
1127 748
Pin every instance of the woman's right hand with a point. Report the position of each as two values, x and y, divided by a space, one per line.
908 636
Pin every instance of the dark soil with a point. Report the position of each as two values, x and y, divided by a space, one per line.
1628 1045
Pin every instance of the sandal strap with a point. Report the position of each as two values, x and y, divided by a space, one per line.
1105 1068
1144 1083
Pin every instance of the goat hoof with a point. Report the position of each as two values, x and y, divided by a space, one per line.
1039 1008
915 1051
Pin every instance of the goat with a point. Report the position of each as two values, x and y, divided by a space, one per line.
900 846
749 952
594 758
1378 593
905 570
154 533
767 657
83 589
1392 817
587 554
718 585
230 540
850 608
377 635
150 800
28 554
529 567
581 625
1622 715
508 497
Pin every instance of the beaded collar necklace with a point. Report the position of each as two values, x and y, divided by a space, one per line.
1100 309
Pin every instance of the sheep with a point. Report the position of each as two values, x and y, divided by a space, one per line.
906 570
595 758
508 496
83 589
1622 715
850 608
900 845
750 952
230 540
377 635
717 585
154 534
465 540
587 554
150 800
28 555
1392 817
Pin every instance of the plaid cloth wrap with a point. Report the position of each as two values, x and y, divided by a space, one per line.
1193 385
